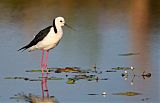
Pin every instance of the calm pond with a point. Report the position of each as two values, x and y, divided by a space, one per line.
109 35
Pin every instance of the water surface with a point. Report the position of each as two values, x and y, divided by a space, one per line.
103 31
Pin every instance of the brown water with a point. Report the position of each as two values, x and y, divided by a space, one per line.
104 29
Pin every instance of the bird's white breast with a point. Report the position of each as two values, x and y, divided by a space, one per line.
51 40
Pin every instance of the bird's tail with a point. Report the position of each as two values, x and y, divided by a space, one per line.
23 48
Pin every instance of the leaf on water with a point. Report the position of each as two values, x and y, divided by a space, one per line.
33 71
127 93
122 68
128 54
58 70
86 77
70 81
24 78
38 70
68 69
92 78
55 78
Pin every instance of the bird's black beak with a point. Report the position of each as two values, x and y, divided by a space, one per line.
69 27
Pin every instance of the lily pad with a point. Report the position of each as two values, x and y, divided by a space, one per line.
127 93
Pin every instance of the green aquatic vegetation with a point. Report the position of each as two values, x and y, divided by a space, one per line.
38 70
128 54
92 78
29 79
68 69
24 78
127 93
34 71
121 68
71 81
58 70
55 78
86 77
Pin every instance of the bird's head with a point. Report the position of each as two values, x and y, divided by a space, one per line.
59 21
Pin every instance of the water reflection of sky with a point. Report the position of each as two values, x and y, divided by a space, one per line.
102 32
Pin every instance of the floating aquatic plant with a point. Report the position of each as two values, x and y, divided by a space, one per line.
38 70
68 69
128 54
121 68
71 81
58 70
127 93
24 78
53 78
30 79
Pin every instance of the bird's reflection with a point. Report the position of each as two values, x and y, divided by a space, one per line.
44 98
44 86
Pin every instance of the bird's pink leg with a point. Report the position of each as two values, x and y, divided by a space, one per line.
45 65
42 60
42 85
44 79
45 92
46 87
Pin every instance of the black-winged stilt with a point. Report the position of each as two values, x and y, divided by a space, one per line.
47 39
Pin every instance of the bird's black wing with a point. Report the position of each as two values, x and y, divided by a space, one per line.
39 37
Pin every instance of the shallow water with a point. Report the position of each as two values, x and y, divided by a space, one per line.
103 31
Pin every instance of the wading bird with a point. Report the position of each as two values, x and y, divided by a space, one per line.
47 39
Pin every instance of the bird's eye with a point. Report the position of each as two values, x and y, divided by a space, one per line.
60 20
